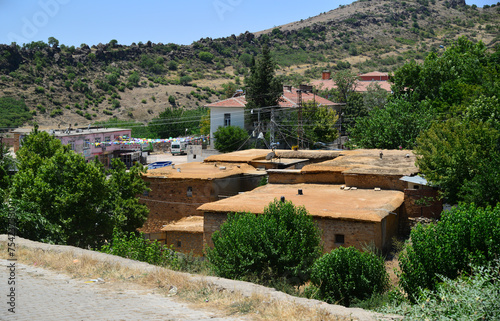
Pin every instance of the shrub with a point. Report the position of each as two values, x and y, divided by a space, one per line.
230 138
133 79
136 247
206 56
466 234
172 65
171 99
184 80
282 243
345 274
474 297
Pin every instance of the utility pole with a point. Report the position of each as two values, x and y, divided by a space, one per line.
272 127
300 127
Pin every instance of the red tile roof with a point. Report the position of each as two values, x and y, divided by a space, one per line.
288 99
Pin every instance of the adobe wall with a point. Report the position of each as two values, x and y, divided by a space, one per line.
211 223
186 242
423 203
356 233
369 181
168 199
299 177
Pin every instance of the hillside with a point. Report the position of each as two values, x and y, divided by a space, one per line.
63 85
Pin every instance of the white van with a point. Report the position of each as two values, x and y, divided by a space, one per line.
178 148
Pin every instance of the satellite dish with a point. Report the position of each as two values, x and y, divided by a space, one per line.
270 156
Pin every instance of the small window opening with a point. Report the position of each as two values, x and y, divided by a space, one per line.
190 192
339 238
179 243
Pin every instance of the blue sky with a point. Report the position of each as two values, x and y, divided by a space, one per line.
74 22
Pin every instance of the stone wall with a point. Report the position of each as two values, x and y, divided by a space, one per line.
186 242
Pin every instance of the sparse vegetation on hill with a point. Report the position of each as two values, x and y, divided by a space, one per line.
109 80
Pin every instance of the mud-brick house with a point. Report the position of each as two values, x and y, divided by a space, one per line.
185 235
176 191
360 168
346 216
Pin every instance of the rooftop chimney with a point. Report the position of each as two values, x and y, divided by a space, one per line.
326 75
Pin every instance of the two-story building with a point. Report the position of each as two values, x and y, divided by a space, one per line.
104 143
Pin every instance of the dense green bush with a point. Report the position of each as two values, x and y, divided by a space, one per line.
280 244
474 297
134 246
345 274
13 112
206 56
467 234
230 138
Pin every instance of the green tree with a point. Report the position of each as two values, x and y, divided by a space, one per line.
397 124
53 42
13 112
229 89
461 155
60 198
282 243
205 123
346 274
456 77
230 138
375 97
206 56
346 82
263 88
464 235
133 79
173 122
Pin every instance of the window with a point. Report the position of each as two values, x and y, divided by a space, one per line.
72 145
107 139
86 144
179 243
227 120
339 238
190 192
97 140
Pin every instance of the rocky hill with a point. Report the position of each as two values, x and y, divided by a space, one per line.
63 85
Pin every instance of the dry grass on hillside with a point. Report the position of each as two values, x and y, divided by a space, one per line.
198 293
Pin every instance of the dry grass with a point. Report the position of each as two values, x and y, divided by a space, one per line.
200 294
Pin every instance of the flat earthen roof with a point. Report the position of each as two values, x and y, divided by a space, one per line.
319 200
368 161
198 170
191 224
241 156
